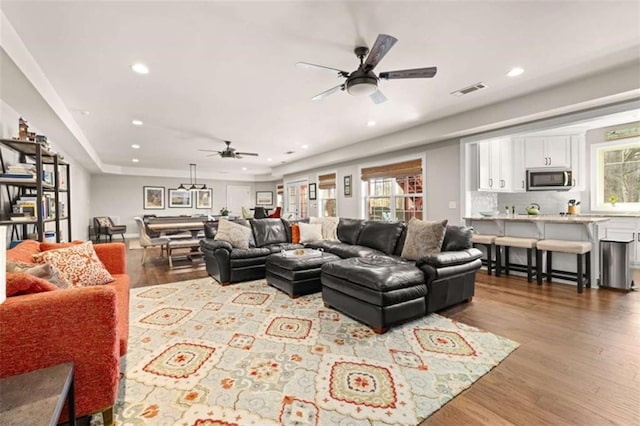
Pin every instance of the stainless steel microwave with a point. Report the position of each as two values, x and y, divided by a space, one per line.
549 179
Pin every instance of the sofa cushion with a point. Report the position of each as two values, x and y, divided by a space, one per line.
236 235
329 226
381 273
24 251
347 250
381 236
325 245
277 248
269 231
21 283
46 271
457 238
238 253
349 230
423 238
310 232
79 264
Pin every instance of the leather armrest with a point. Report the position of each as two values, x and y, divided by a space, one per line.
449 258
211 245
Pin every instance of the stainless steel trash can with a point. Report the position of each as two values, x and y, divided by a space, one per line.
614 264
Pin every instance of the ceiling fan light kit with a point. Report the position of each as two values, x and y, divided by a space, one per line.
363 81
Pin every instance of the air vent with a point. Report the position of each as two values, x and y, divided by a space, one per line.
290 152
470 89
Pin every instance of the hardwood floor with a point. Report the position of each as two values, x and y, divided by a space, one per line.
578 361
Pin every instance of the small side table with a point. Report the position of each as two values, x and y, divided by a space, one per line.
36 398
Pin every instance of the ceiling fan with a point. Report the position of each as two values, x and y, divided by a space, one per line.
363 81
229 152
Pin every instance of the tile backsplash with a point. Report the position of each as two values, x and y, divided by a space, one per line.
551 202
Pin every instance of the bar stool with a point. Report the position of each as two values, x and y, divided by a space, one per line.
506 242
579 248
489 242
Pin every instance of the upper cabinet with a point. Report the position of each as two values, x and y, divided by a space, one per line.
494 168
547 151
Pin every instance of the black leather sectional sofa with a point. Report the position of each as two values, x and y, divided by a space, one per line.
371 282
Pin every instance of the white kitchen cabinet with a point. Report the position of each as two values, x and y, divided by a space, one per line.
547 151
578 163
519 171
495 165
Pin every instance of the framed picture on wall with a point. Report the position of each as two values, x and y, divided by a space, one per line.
153 197
347 186
264 198
204 198
180 198
312 191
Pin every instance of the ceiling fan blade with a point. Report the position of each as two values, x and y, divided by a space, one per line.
327 92
307 65
209 150
247 153
414 73
383 44
378 97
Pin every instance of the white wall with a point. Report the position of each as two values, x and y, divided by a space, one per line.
442 183
80 177
121 197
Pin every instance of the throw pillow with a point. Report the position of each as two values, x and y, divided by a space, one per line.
104 222
457 238
295 233
44 246
45 271
310 232
423 238
236 235
18 284
79 264
329 226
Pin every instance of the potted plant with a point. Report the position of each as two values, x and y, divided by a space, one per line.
613 200
224 212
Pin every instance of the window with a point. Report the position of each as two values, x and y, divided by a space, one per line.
280 196
617 171
393 192
327 195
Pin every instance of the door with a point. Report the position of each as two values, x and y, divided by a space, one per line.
297 201
238 196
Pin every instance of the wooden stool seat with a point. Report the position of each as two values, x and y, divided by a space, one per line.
582 250
489 242
518 242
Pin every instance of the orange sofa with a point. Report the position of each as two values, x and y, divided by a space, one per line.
88 326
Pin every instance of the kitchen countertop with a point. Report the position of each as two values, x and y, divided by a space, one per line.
541 218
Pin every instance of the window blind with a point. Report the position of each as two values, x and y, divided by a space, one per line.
327 181
405 168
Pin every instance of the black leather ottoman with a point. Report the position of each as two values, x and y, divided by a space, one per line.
379 291
296 275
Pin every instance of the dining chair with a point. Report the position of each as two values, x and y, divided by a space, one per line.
104 225
146 241
246 214
259 213
276 213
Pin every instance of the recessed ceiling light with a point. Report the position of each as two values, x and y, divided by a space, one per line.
244 168
305 146
514 72
269 159
135 160
135 146
137 122
371 123
140 68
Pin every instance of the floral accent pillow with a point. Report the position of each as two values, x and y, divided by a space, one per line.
329 226
45 271
236 235
79 264
423 238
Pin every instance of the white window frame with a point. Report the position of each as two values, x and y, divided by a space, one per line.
363 185
319 199
597 178
298 183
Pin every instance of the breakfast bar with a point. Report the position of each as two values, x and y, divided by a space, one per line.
544 227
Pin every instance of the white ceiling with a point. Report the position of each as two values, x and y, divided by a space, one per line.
226 70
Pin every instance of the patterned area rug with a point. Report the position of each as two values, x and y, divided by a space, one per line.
247 354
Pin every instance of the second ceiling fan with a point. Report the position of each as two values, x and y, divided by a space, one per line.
363 81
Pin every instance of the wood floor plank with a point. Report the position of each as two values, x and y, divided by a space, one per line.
578 362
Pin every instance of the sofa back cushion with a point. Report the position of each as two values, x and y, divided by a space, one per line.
381 236
24 251
457 238
400 244
349 230
270 231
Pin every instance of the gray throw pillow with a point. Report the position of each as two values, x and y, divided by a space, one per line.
423 238
234 234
